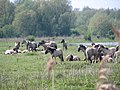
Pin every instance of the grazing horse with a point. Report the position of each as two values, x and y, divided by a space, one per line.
64 44
45 44
55 52
30 45
89 53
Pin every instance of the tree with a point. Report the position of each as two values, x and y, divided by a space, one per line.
7 31
83 18
101 25
25 19
6 12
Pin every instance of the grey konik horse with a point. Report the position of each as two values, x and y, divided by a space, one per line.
55 52
64 44
89 53
108 51
30 45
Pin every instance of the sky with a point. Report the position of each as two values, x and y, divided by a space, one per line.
95 4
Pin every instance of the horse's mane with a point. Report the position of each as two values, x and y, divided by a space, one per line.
82 46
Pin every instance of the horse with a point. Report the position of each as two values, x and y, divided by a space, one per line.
55 52
83 49
107 51
30 45
116 56
72 58
14 50
64 44
89 53
17 46
45 44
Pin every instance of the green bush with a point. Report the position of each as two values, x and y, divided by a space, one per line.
87 37
31 38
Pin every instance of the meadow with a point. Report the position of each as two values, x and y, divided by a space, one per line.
26 71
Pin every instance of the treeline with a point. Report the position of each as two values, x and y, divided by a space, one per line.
54 18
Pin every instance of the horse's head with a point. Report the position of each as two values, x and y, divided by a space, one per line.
62 41
81 47
17 45
100 48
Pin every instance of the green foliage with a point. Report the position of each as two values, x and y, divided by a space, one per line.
55 18
100 25
7 31
6 12
31 38
87 37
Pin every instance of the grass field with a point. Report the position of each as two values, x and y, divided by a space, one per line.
26 71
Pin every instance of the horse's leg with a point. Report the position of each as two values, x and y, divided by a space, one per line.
66 47
115 58
96 58
63 47
61 57
35 49
89 58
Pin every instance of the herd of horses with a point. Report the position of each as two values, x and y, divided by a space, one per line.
93 53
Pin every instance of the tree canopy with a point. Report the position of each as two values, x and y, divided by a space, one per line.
54 18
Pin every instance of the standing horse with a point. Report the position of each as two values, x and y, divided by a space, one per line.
55 52
107 51
64 44
30 45
83 48
89 53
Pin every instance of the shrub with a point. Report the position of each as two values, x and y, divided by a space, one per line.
87 37
31 38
